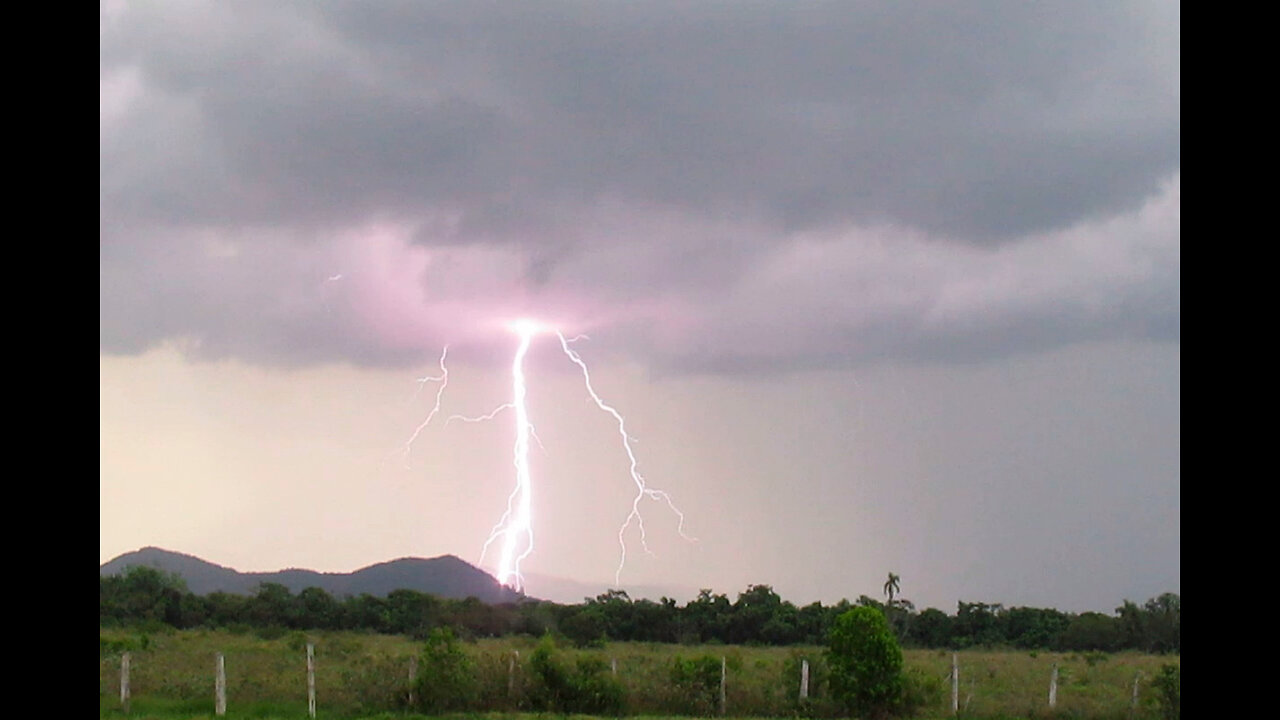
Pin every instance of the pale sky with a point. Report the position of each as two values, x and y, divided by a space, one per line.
877 287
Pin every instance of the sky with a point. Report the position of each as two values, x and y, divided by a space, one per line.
878 287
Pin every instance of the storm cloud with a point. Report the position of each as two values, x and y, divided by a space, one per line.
723 186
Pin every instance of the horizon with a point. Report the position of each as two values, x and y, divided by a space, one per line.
876 287
651 594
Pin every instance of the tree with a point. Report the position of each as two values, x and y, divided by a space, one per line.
865 663
891 587
931 629
898 610
448 680
141 593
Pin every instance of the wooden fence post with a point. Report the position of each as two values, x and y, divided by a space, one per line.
311 680
1053 687
804 679
955 684
613 666
220 687
413 680
124 681
723 677
511 673
1133 702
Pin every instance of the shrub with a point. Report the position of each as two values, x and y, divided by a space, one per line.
446 679
865 663
919 690
586 687
695 685
371 683
1094 657
1168 685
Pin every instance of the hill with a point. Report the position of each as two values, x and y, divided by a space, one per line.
446 576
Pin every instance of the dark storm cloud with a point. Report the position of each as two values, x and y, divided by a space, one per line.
738 126
982 120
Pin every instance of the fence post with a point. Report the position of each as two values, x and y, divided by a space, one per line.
613 666
220 687
1053 687
413 680
804 679
124 681
1133 702
311 679
955 684
723 676
511 673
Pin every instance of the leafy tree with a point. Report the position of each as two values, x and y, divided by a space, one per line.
226 609
865 662
977 624
707 617
931 629
1164 623
318 609
1030 628
1091 631
274 605
447 681
365 612
585 626
753 610
412 612
141 594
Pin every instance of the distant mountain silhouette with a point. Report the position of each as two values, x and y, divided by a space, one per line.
446 576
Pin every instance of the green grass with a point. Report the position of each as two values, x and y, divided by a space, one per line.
365 676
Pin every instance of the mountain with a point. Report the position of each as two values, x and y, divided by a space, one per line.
446 576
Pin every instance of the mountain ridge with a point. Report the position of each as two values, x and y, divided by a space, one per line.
446 576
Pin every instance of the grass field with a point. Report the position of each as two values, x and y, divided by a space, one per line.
366 676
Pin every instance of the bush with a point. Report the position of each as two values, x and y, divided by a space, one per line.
371 683
919 691
865 663
446 679
695 685
1168 685
585 688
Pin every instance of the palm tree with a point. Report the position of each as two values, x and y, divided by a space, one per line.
891 587
896 620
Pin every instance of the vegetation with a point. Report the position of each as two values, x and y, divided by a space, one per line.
584 687
359 675
882 658
144 597
866 664
1168 685
446 678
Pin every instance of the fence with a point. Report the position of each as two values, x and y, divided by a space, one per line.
352 675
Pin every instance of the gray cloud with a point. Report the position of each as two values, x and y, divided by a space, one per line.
871 181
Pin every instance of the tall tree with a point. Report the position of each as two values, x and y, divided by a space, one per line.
891 587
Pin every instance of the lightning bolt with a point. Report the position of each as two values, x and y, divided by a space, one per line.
515 527
642 488
517 522
443 379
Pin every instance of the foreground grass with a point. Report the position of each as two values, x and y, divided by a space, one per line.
366 676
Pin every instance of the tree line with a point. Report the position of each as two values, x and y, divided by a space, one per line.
146 596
